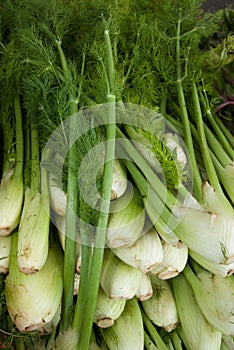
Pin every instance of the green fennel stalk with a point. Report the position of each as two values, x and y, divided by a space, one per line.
72 207
218 129
216 147
19 150
149 345
100 235
210 168
177 343
153 332
228 135
185 119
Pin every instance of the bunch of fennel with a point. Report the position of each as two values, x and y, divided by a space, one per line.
131 248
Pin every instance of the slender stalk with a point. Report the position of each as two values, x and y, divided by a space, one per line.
6 148
110 65
51 341
216 127
100 237
45 193
210 169
72 207
7 136
183 337
223 139
190 275
176 341
19 137
27 157
216 147
35 161
224 178
229 136
170 345
70 240
149 345
175 123
153 332
185 120
86 254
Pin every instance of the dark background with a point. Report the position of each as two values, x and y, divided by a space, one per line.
212 5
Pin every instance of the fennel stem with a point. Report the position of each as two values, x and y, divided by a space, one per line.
216 147
86 253
228 135
110 65
18 172
217 129
153 332
210 169
6 147
100 237
185 119
72 207
35 167
70 240
149 345
177 344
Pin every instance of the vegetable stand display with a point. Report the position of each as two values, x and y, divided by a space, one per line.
117 173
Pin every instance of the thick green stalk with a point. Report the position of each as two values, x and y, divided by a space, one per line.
177 343
110 65
153 332
210 169
86 253
228 135
216 127
190 275
72 207
35 162
216 147
6 148
100 237
70 239
45 192
149 345
223 177
185 120
182 337
18 137
222 138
